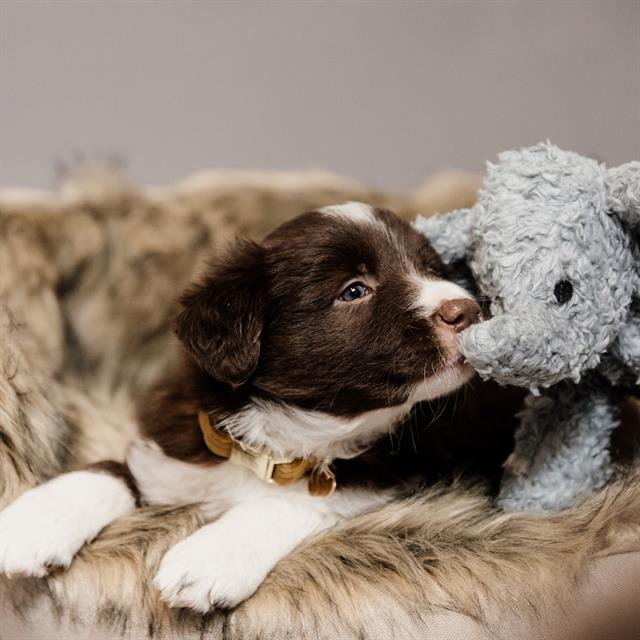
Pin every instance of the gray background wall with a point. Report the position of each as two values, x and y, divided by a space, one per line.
383 91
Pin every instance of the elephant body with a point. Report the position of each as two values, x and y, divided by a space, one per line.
553 245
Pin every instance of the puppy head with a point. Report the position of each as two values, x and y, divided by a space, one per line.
342 310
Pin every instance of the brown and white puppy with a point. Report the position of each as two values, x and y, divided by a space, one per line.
311 344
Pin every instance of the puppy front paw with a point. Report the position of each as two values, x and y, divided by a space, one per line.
46 526
29 548
200 574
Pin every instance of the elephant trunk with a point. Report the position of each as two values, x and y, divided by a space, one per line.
519 350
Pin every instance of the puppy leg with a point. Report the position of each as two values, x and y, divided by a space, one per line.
224 562
47 525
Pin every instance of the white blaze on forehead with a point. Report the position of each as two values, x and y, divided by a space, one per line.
355 211
431 294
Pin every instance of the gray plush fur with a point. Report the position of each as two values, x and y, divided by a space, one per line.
546 215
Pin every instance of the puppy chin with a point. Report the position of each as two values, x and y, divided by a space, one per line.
450 377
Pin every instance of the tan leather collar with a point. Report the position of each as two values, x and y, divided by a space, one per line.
281 471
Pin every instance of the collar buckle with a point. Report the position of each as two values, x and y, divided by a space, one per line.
262 464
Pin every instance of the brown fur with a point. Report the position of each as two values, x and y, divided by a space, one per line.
84 327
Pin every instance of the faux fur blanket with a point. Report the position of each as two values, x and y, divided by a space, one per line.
88 280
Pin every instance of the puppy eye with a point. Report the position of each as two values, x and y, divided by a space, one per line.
563 291
354 291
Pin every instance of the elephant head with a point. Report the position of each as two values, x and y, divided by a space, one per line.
552 244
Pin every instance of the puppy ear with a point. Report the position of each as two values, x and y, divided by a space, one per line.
222 318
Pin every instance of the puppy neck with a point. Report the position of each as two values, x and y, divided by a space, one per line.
286 430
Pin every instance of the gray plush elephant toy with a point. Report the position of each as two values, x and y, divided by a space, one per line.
553 245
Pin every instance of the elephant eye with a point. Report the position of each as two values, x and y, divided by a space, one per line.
563 291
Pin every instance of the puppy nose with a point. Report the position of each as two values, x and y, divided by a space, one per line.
459 314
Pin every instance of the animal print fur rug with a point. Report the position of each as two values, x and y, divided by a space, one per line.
88 280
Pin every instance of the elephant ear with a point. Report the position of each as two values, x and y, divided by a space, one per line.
627 346
449 233
623 192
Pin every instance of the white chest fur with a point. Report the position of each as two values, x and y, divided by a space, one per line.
216 488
